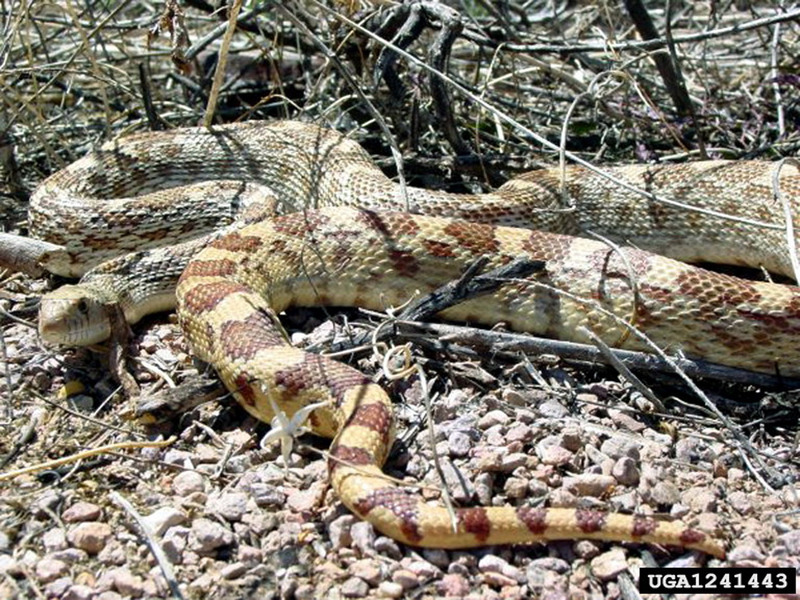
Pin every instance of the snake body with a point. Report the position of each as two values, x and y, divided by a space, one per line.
148 190
230 294
331 253
152 190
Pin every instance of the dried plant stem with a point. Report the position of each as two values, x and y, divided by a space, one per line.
222 61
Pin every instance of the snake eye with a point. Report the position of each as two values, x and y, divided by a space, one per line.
83 306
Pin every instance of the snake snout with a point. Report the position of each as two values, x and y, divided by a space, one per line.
69 317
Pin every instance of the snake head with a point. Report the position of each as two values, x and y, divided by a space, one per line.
74 316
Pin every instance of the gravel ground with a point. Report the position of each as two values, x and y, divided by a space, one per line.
234 521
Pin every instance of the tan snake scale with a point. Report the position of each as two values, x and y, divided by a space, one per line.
347 247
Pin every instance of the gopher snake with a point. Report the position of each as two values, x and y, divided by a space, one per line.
229 294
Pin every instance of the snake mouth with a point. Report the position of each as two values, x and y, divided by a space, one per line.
57 334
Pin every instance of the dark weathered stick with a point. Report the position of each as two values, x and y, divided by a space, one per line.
439 56
669 73
164 405
471 284
503 342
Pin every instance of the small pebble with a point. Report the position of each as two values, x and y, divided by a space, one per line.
90 536
126 582
307 500
627 502
707 521
484 488
231 506
354 588
586 549
437 557
494 564
460 486
498 580
693 450
453 585
249 554
572 438
626 422
188 482
174 543
382 545
49 569
163 518
305 591
492 419
555 456
626 471
82 511
700 499
520 433
537 488
561 498
735 475
149 344
233 570
390 589
549 563
679 511
490 461
266 495
78 592
617 447
54 539
745 552
366 569
339 531
406 578
516 488
586 397
609 565
589 484
166 355
510 462
423 569
112 554
363 534
791 541
58 587
9 566
515 397
73 556
684 561
208 535
459 444
552 410
179 458
741 503
665 493
495 436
